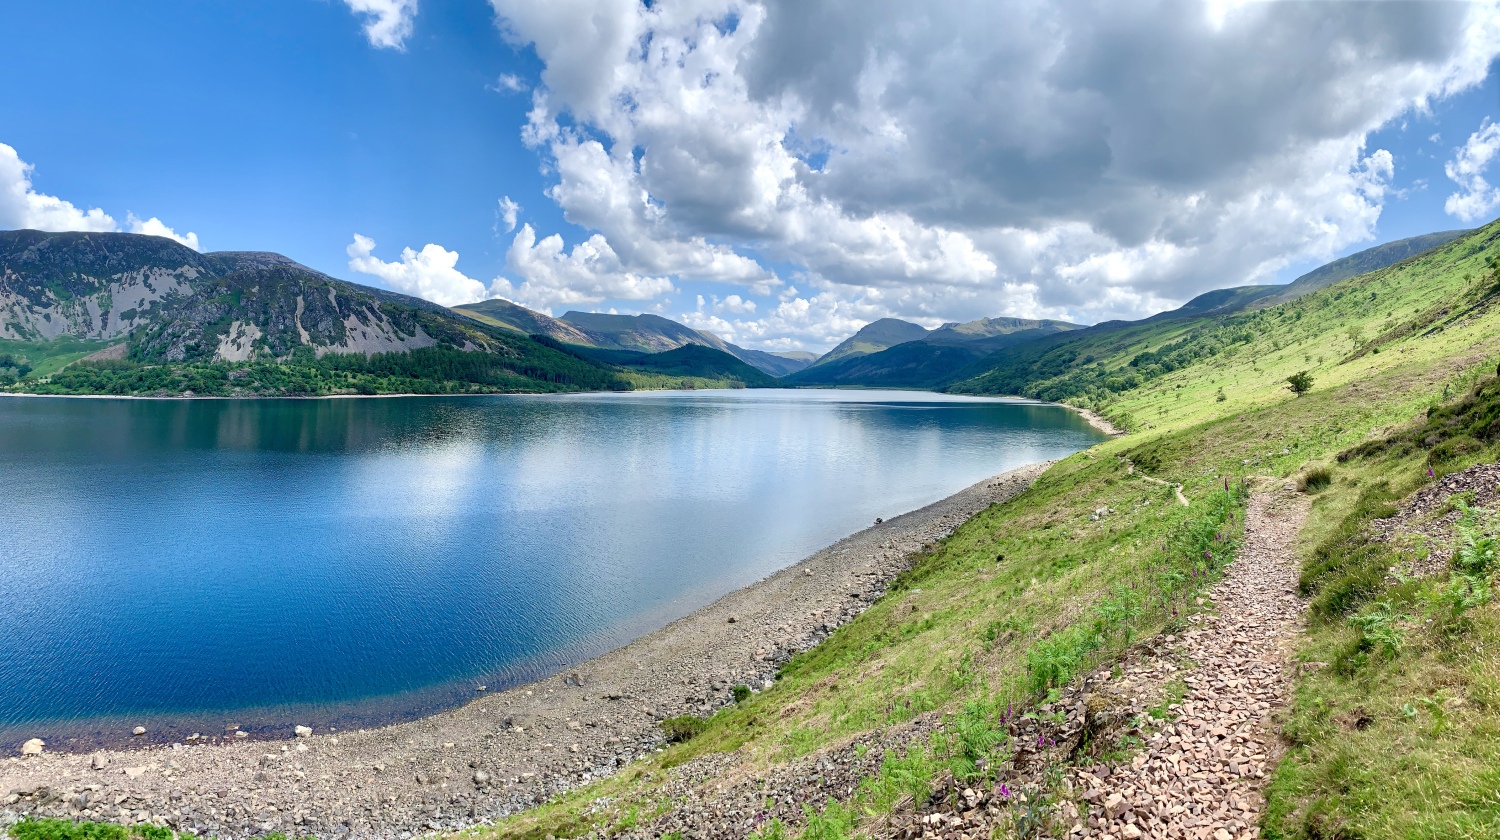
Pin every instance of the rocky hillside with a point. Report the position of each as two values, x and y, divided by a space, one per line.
173 304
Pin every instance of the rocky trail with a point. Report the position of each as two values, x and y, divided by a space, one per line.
1201 775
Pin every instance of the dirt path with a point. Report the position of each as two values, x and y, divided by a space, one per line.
1202 775
506 751
1176 488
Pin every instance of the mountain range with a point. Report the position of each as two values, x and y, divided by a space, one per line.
175 320
150 301
629 333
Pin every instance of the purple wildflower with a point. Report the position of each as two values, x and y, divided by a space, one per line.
1430 473
1004 791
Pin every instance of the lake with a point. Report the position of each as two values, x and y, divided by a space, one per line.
189 564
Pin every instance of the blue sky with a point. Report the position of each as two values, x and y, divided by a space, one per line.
729 165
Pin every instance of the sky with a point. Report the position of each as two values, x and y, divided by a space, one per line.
778 172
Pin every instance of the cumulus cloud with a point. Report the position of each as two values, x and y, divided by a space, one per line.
430 274
23 207
553 277
1476 197
945 161
507 212
156 227
388 23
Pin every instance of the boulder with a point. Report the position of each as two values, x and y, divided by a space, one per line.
33 747
303 731
139 730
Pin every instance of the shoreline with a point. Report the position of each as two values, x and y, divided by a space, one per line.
504 751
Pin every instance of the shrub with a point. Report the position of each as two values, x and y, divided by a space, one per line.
683 728
1315 480
741 693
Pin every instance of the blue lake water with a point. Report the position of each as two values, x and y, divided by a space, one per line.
192 564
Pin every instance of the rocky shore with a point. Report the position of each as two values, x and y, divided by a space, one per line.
506 751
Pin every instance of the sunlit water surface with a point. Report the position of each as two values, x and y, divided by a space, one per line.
194 564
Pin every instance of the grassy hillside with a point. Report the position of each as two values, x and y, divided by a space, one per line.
703 367
1030 593
874 337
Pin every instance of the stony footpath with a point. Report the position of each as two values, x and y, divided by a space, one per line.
1201 775
504 752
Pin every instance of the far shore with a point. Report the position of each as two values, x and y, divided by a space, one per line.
505 751
1093 419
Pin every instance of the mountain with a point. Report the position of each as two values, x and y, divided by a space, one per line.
625 333
925 362
874 337
698 361
1362 262
158 306
653 334
914 364
1234 299
500 312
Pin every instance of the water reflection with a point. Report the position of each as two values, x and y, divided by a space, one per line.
362 559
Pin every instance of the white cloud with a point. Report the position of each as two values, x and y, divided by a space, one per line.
508 83
430 274
388 23
155 227
590 273
507 212
733 304
23 207
1476 198
958 159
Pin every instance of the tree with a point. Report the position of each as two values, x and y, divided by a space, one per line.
1299 382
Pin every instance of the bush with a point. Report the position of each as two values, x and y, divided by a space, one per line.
741 693
1315 480
683 728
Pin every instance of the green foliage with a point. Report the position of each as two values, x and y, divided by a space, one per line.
1300 382
741 693
683 728
834 822
52 829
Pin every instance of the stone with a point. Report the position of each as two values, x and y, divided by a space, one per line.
481 777
303 731
1130 832
138 731
134 772
33 747
99 762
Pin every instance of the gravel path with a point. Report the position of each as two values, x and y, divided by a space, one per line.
1201 776
506 751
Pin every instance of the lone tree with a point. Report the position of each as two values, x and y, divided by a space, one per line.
1299 382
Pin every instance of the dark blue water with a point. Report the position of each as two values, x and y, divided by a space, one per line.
191 564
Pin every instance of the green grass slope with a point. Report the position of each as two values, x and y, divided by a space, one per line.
703 367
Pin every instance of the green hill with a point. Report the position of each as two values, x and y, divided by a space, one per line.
874 337
694 361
